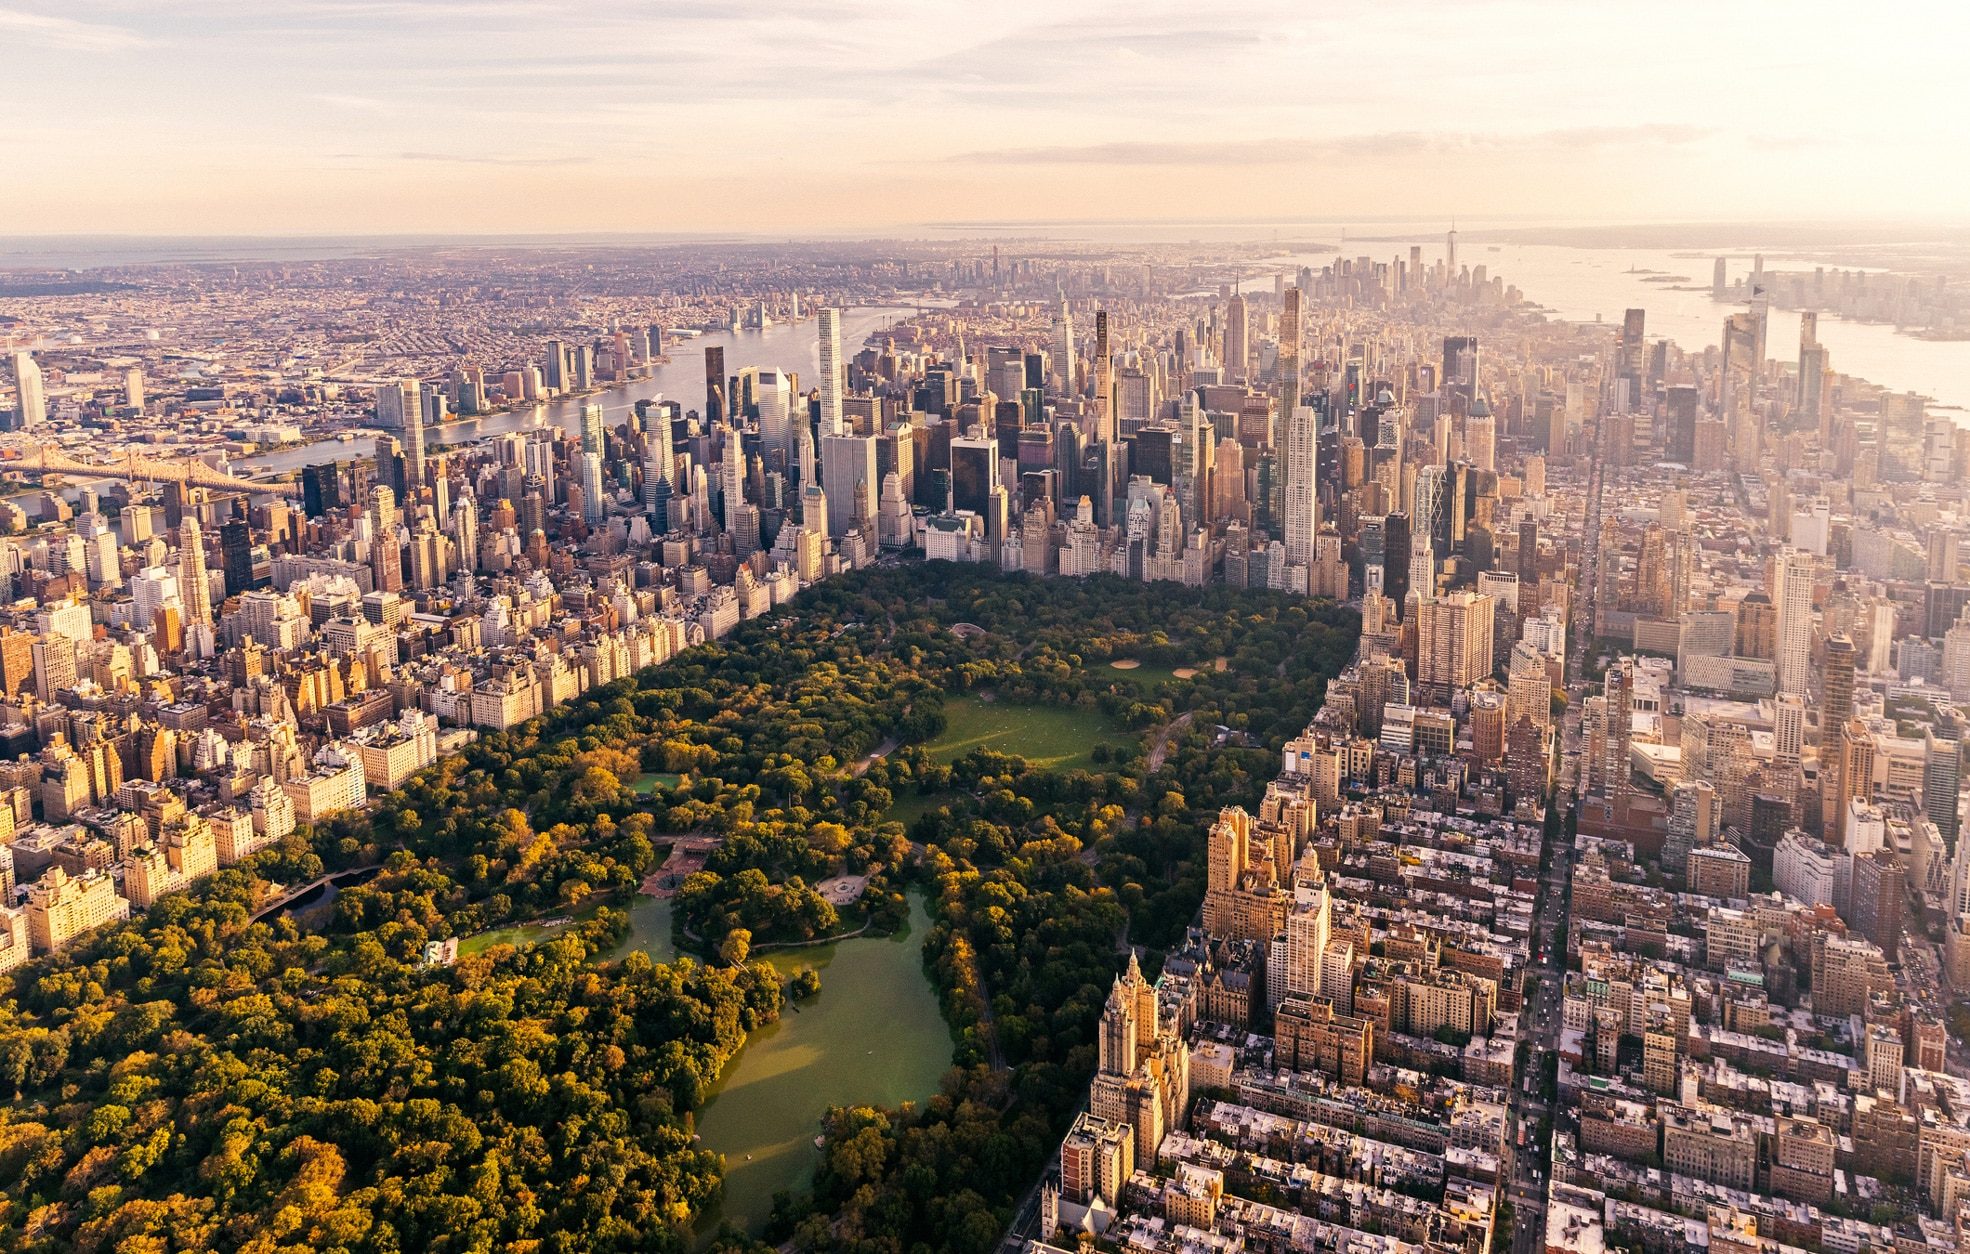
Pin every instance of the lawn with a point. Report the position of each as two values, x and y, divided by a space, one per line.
1055 738
644 785
528 933
911 806
518 934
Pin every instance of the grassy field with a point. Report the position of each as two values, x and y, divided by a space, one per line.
1051 737
644 785
518 934
910 806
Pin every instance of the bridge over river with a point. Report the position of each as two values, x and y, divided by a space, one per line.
135 468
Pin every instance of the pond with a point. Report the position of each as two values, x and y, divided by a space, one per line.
649 930
872 1036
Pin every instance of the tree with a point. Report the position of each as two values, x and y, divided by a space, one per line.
736 946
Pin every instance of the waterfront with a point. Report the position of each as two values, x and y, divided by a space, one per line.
1598 283
789 346
873 1036
1586 284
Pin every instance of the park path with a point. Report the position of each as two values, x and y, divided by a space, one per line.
1159 750
883 750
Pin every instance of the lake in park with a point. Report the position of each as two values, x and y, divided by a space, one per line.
873 1036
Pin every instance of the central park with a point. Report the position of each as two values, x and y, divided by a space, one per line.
1001 783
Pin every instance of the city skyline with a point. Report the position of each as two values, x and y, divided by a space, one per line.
537 115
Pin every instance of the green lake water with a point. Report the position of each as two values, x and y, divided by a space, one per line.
872 1036
649 930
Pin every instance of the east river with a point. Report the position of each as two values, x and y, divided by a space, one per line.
791 346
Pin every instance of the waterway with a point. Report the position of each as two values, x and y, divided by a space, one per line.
1588 284
872 1036
789 346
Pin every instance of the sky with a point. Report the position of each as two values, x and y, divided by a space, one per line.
774 116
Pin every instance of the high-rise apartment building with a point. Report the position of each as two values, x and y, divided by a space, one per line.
1302 507
30 387
833 373
1794 596
193 585
1289 351
61 907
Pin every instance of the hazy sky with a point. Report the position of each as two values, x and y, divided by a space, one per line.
268 116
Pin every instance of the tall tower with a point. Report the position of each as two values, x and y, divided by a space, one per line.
413 407
1837 701
592 435
714 384
1104 381
1450 254
1302 521
32 410
1063 347
831 373
1794 588
1118 1032
1289 351
193 587
593 441
732 472
1237 342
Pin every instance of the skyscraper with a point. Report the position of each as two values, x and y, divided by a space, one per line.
773 401
1302 507
714 385
1430 506
1289 351
32 409
236 555
1237 344
1682 406
1794 589
848 469
193 587
1460 363
593 442
1063 347
974 472
321 490
1104 382
1837 701
414 470
831 373
593 434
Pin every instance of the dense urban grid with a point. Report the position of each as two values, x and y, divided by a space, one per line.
1612 897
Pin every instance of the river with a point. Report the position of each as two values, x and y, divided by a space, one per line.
872 1036
1585 284
790 346
1589 283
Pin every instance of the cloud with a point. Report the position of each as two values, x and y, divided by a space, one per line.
1262 152
66 33
358 104
459 158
